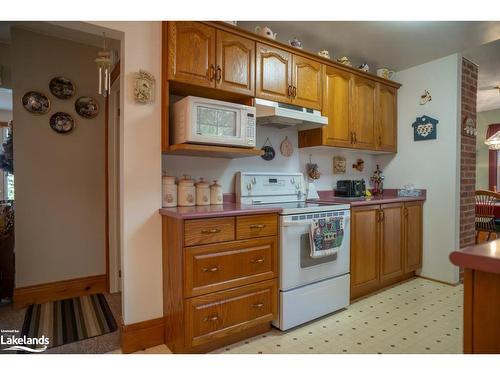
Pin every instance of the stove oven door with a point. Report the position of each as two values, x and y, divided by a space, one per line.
297 268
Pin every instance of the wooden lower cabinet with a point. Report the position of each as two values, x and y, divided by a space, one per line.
223 290
386 245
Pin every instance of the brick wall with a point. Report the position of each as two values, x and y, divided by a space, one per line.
468 154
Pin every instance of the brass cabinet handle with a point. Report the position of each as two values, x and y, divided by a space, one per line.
211 72
210 231
294 92
257 226
352 137
289 90
355 137
406 212
258 260
380 140
381 215
258 305
212 269
218 74
212 318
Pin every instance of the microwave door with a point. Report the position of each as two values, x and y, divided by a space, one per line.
217 125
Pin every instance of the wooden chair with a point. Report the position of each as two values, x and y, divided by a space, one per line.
485 212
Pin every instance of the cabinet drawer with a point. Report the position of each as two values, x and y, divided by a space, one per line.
256 226
210 268
218 315
202 231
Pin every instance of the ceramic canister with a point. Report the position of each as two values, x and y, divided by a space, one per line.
186 194
216 193
202 193
169 191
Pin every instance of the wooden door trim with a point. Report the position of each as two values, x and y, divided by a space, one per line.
142 335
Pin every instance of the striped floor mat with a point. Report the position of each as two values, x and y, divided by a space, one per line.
69 320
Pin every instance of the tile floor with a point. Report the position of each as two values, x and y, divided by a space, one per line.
418 316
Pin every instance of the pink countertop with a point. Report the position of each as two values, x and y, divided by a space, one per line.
483 257
226 209
389 196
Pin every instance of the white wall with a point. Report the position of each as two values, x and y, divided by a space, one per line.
433 165
59 178
482 155
224 169
140 171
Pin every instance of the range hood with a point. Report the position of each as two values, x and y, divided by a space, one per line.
281 115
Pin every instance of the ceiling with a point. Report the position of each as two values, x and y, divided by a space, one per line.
5 99
399 45
63 30
487 57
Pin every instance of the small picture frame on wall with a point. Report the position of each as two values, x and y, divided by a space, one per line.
424 128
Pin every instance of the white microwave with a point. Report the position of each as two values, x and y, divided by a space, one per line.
214 122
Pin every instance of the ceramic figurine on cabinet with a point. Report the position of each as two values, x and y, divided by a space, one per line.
344 60
144 87
324 53
378 181
295 42
364 67
265 31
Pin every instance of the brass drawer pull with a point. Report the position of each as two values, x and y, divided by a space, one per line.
213 318
213 269
258 260
257 226
218 74
258 305
211 72
210 231
294 92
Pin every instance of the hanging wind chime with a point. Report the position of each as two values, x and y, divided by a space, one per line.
103 62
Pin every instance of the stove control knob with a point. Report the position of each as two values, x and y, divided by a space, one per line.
292 181
254 180
249 186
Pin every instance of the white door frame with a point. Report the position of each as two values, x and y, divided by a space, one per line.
115 279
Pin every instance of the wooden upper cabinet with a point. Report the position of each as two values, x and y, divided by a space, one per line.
365 251
337 107
235 70
191 53
273 73
387 127
306 82
391 241
364 113
414 235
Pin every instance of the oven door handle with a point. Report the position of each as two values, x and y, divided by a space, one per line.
297 223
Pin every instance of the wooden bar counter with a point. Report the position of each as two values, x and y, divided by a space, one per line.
481 265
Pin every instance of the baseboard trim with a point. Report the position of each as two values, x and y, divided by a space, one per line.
142 335
438 281
58 290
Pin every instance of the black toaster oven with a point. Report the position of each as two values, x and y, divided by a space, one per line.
350 188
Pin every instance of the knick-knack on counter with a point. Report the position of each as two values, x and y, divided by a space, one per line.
378 181
186 193
216 193
169 191
202 193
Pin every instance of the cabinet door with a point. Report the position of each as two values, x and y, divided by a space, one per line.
336 106
191 53
306 83
365 262
414 235
387 124
391 241
235 69
274 74
364 113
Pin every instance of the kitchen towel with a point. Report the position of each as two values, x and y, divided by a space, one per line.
326 236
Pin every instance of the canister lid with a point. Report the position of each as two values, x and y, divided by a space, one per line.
215 184
202 183
186 180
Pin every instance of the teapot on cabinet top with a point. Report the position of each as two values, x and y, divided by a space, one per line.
265 31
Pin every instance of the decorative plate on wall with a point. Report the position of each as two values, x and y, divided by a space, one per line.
36 102
87 107
61 122
62 87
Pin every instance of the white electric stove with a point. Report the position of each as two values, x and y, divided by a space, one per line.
309 288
